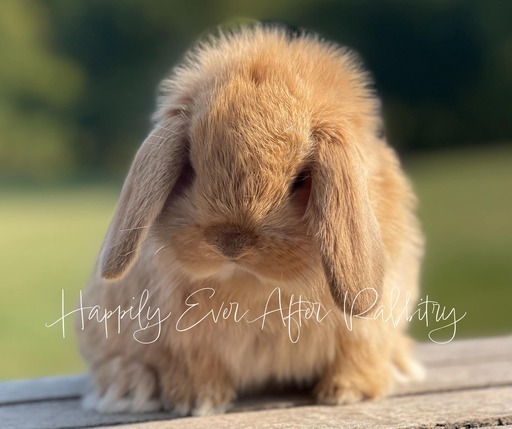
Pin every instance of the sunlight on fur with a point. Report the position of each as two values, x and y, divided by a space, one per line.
265 169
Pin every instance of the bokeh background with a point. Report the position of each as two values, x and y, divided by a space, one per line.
77 86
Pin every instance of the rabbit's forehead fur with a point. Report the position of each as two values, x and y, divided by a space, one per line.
250 142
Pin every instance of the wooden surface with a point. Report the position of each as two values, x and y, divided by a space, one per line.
468 385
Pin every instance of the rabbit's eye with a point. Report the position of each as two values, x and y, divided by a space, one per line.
301 180
300 190
185 179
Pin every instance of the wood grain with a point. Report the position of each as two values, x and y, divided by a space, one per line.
469 384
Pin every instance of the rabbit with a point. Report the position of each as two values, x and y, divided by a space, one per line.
265 179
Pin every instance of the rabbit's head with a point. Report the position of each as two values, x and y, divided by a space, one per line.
258 166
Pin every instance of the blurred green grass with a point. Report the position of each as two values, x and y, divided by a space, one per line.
49 238
466 213
49 241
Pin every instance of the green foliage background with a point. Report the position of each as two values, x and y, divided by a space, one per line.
78 78
77 86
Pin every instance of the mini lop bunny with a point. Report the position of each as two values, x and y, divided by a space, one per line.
263 181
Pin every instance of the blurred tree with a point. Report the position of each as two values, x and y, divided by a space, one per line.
435 62
36 88
78 79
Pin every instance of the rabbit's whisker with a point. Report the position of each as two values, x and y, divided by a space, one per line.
166 129
157 136
134 228
160 248
126 254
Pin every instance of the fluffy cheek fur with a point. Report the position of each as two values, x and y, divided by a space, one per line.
282 251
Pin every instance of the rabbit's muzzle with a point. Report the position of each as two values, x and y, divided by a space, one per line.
230 241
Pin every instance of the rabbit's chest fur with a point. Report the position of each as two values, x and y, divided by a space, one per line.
260 331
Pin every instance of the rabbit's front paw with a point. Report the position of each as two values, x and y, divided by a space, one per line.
198 393
347 385
207 400
187 403
122 386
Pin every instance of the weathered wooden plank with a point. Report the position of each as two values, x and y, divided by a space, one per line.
467 350
65 414
39 389
53 402
473 408
464 376
470 408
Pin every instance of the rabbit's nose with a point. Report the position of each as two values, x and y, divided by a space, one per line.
231 243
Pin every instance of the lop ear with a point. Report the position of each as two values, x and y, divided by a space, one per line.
341 217
153 173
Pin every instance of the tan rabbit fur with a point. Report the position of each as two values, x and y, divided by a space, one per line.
264 170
